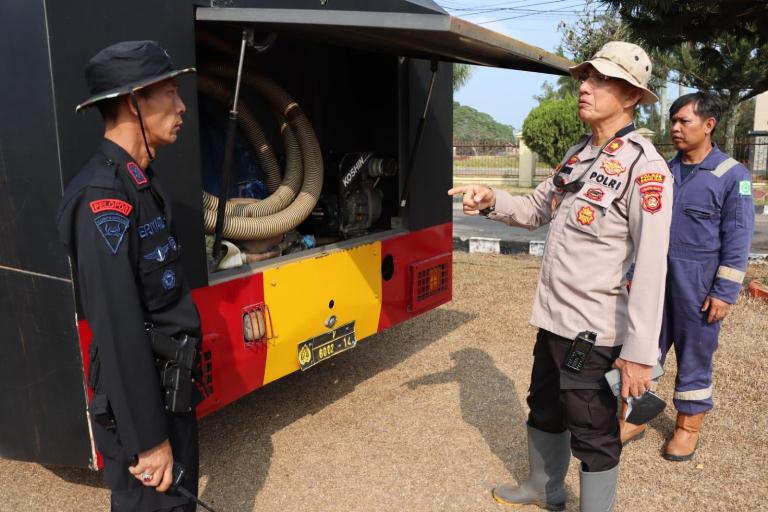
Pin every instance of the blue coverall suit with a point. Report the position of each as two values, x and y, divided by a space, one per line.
713 218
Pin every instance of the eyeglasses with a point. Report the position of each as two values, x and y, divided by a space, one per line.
597 79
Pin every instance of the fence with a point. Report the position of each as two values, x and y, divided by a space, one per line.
494 160
502 160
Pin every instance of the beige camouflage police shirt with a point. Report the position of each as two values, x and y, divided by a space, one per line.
620 216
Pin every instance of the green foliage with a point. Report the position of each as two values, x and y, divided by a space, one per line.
553 127
470 125
694 20
461 75
719 46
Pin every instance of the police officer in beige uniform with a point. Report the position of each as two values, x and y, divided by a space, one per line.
608 206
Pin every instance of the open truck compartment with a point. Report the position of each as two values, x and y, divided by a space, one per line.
361 261
318 155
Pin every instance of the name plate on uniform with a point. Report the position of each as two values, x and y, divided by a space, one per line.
326 345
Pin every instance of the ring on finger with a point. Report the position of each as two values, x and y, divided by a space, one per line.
146 477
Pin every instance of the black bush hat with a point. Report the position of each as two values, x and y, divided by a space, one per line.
125 67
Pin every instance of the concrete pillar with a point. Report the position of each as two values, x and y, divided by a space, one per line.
525 163
663 110
760 123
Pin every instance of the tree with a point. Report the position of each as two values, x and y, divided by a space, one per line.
461 75
718 46
553 127
591 30
695 21
470 125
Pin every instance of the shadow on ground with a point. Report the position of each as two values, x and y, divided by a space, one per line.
236 443
489 402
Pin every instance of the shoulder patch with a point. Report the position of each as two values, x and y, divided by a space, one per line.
745 188
614 146
650 177
136 174
115 205
112 227
652 197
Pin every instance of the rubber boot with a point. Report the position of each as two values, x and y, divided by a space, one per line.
548 458
683 444
597 490
629 431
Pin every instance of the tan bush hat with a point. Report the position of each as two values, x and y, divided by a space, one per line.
622 60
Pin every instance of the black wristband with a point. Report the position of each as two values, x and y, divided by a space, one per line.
487 211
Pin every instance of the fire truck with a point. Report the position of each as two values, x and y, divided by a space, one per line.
335 223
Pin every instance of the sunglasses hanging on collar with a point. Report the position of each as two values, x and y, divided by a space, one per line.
561 180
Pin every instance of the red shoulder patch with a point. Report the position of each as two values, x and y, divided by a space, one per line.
115 205
652 197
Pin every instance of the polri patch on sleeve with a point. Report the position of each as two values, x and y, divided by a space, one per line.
112 227
114 205
137 175
652 198
745 188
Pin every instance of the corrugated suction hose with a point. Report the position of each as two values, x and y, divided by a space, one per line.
288 205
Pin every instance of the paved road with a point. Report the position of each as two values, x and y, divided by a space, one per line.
465 226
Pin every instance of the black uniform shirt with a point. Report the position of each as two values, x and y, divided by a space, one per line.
117 224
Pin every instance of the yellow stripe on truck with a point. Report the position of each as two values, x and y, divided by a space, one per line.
299 295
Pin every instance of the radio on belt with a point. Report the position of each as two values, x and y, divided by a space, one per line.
580 348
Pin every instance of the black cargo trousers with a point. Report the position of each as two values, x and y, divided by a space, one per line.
582 402
128 493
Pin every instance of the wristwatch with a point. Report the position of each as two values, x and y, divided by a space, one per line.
487 211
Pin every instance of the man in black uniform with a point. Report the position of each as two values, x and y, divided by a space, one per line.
116 222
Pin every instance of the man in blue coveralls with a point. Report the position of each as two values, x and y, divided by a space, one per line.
712 222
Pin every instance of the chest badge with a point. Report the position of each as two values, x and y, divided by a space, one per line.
613 167
596 194
585 215
160 252
169 279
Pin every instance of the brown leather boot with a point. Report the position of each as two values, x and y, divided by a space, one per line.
629 431
682 446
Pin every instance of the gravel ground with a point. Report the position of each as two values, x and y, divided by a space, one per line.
430 415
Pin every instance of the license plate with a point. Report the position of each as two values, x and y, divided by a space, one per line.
326 345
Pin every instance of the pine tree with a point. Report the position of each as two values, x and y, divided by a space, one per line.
719 46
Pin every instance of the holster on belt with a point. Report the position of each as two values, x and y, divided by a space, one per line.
175 359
